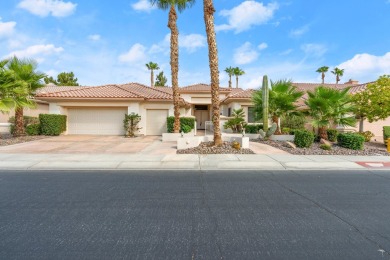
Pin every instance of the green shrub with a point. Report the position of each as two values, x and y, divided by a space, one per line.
27 120
52 124
367 135
293 130
293 122
253 129
325 147
303 138
332 134
34 129
386 133
351 141
286 130
184 121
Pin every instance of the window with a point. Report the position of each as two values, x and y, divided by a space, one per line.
251 114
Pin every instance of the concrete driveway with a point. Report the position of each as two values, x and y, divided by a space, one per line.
94 144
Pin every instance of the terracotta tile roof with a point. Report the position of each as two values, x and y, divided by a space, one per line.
54 88
109 91
124 91
238 93
201 87
312 86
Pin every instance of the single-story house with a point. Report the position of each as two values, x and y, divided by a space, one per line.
101 109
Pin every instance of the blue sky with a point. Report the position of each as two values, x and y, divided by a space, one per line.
108 41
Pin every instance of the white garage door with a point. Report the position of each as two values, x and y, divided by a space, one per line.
156 121
96 121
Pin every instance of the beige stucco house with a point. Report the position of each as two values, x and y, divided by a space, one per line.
100 109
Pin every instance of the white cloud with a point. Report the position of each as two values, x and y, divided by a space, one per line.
37 52
262 46
286 52
135 54
7 29
246 15
366 67
245 54
43 8
314 50
143 6
94 37
190 42
299 32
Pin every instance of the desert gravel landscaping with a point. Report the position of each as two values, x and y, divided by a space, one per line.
370 149
7 139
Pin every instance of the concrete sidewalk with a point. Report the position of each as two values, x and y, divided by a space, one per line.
30 161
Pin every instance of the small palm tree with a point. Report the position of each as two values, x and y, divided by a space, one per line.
323 70
238 72
152 67
230 72
282 101
172 24
27 82
329 107
208 11
339 73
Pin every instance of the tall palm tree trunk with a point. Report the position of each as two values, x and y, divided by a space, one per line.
323 78
152 78
322 132
19 122
275 119
175 66
230 81
236 81
209 10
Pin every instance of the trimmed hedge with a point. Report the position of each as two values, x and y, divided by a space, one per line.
34 129
332 134
303 138
27 120
186 124
253 129
52 124
351 141
386 133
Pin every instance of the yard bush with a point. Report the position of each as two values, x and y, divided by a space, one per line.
52 124
34 129
303 138
253 129
286 130
325 147
351 141
386 133
293 122
27 120
332 134
186 124
367 135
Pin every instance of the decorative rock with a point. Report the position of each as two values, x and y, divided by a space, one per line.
291 145
323 141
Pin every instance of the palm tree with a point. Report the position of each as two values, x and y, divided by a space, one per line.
208 11
152 67
27 82
172 24
230 72
323 70
329 107
282 101
238 72
339 73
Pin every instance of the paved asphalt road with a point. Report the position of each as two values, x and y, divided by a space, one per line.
194 215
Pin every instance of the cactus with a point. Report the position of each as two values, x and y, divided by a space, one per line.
265 91
269 132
